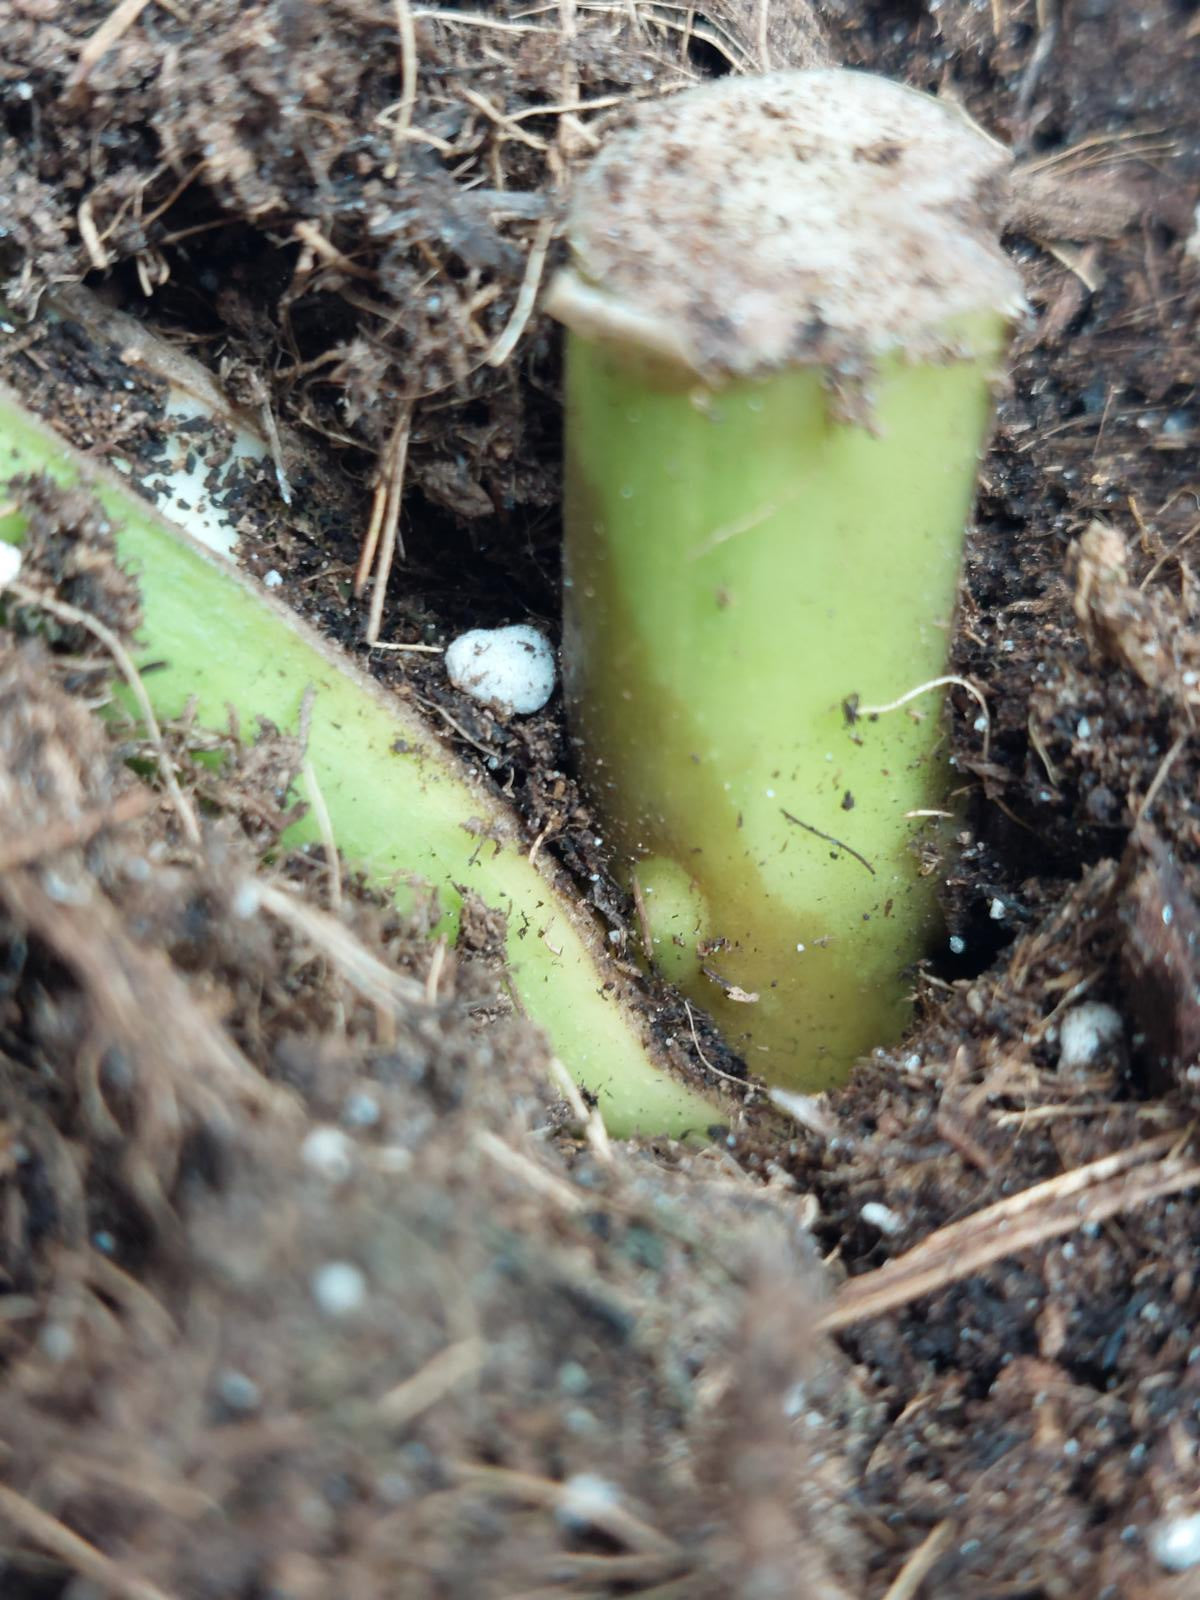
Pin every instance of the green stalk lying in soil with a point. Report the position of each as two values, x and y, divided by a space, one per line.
787 308
402 808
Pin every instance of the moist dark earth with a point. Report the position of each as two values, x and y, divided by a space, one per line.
583 1370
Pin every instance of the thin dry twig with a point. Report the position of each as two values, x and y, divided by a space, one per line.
684 23
502 120
570 1090
68 833
419 649
741 1083
542 835
590 1121
407 32
948 681
90 235
829 838
568 127
1029 1115
1104 149
117 975
140 1477
1160 777
526 296
604 102
124 663
440 1376
472 19
76 1554
388 536
451 722
1061 1205
364 972
98 44
1169 555
1048 26
154 1322
538 1178
806 1109
370 543
919 1563
643 918
325 829
311 236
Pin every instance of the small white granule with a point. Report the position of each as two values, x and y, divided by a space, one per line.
876 1215
1086 1033
511 669
339 1288
587 1500
329 1152
246 900
56 1342
1175 1543
1192 247
273 579
10 563
361 1110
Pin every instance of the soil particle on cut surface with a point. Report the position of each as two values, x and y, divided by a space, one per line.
557 1369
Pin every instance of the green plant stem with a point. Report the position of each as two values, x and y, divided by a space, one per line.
759 563
402 808
787 308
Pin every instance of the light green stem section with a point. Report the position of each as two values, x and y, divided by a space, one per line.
739 563
401 806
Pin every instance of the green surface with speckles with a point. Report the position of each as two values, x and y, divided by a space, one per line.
739 563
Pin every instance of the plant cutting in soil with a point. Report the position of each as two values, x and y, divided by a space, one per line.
768 473
319 1276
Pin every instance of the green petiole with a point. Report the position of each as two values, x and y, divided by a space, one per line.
401 806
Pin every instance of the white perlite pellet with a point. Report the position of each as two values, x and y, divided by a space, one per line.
1087 1033
1192 247
330 1153
587 1500
339 1288
511 669
1175 1543
10 563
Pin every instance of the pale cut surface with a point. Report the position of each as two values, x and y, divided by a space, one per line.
758 222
